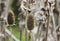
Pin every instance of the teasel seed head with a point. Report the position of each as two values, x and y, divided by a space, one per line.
58 29
10 18
2 6
30 22
55 11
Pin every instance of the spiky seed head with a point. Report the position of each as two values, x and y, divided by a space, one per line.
58 29
10 18
30 22
55 11
43 9
2 6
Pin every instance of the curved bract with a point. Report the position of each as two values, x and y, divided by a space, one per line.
10 18
30 22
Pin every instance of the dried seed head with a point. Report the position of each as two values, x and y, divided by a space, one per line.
30 22
10 18
55 11
43 9
2 6
58 29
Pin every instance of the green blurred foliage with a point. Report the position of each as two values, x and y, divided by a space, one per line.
15 7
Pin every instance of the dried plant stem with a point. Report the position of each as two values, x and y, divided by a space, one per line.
26 35
10 36
20 35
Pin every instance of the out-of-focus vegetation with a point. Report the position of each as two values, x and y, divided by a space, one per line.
15 7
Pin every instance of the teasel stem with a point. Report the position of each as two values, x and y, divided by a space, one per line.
47 19
39 29
31 36
50 17
47 27
20 35
54 25
10 39
26 33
